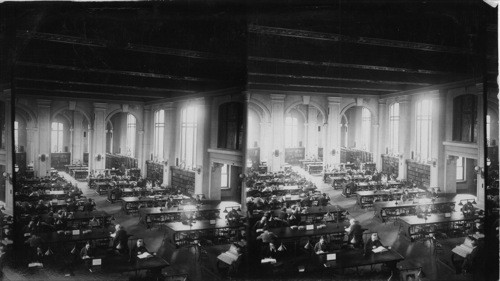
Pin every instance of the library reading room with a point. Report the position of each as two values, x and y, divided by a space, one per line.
265 140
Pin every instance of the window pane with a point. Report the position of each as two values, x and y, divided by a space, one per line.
460 168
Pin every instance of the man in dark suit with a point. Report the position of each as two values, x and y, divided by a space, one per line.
474 262
355 233
86 254
120 241
372 243
138 249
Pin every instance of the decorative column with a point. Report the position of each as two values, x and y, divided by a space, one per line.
451 174
71 145
44 136
265 151
99 143
141 162
334 131
404 134
480 145
147 145
312 132
31 155
77 150
9 165
169 140
90 136
382 133
278 125
202 173
437 138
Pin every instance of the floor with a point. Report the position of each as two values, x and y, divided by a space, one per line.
184 260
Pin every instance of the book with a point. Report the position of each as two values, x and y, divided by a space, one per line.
35 264
144 255
379 249
268 260
463 249
230 255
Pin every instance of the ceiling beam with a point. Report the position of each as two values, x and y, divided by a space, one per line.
337 89
115 72
75 40
149 90
347 65
291 76
100 95
297 33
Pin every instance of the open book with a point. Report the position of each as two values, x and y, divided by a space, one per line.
268 260
463 249
144 255
230 255
379 249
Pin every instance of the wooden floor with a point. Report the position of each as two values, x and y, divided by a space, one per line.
184 260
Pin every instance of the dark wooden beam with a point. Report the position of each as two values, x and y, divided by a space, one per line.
74 40
114 72
296 33
338 79
347 65
313 88
35 91
144 91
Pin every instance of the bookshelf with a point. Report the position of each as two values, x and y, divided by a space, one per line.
183 180
390 165
418 173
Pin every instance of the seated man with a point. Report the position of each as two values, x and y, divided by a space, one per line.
86 254
372 243
320 247
323 200
138 249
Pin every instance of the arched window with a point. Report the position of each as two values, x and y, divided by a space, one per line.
465 118
423 127
230 126
57 137
16 136
159 134
131 131
394 128
291 132
366 121
189 124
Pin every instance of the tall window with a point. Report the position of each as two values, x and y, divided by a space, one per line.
423 127
488 130
224 176
159 134
16 136
465 118
189 124
366 121
461 169
57 137
131 126
291 132
394 128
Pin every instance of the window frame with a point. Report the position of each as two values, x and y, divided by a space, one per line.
159 134
56 147
227 176
291 131
190 128
394 120
131 146
421 117
463 168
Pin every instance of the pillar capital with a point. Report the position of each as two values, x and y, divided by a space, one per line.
403 99
43 103
334 100
278 97
100 106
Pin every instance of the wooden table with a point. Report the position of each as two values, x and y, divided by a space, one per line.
151 216
121 264
315 168
386 210
366 198
219 232
80 174
347 258
413 227
100 237
131 204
